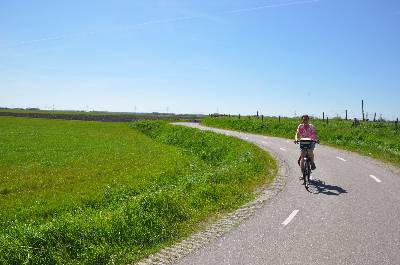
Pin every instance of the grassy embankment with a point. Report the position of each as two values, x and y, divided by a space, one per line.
75 192
380 140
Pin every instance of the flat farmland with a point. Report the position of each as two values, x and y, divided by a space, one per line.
75 192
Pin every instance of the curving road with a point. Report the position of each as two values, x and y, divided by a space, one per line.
351 215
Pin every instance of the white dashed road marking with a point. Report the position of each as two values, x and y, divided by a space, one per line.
338 157
290 218
375 178
283 149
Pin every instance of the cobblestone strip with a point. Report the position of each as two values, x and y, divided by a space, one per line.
172 254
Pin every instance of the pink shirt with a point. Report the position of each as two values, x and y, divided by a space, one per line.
308 132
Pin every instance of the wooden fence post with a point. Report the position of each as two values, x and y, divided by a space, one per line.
327 120
346 115
362 109
239 116
279 118
323 116
375 117
262 117
257 114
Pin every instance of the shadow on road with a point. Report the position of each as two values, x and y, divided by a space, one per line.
320 187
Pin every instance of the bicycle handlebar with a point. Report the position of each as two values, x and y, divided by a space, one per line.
313 141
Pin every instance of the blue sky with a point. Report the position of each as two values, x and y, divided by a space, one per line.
280 57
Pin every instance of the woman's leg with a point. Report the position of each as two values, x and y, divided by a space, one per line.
302 161
312 159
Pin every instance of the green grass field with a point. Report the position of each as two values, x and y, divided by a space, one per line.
74 192
380 140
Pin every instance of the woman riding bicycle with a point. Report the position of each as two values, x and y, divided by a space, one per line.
306 130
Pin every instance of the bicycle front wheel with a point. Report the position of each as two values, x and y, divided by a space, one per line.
307 172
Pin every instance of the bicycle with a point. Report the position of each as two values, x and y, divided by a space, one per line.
305 144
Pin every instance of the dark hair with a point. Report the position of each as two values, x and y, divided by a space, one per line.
305 116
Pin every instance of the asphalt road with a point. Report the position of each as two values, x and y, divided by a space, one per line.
350 216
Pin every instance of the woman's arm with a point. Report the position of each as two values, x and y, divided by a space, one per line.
297 135
316 134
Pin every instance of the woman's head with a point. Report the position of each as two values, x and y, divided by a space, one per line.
305 118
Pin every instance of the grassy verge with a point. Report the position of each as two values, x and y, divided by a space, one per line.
76 192
380 140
